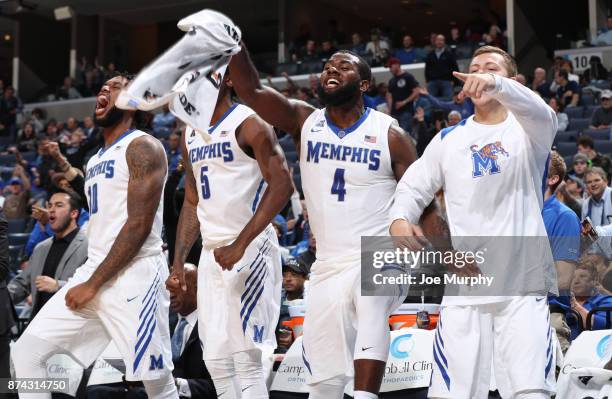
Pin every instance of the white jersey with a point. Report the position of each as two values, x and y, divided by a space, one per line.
229 182
348 184
106 188
492 176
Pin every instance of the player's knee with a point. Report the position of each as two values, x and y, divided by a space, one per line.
532 395
332 388
248 362
221 368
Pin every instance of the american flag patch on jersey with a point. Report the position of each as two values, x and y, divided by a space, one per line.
370 139
223 133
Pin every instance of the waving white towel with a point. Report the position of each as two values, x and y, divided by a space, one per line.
187 76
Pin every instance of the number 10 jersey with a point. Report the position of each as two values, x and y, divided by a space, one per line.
229 182
348 183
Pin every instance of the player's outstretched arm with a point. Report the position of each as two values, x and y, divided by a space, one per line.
272 106
260 136
431 224
147 166
535 116
188 227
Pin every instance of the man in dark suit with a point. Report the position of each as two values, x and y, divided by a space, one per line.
7 312
190 374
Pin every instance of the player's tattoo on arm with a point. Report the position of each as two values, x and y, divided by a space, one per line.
188 227
147 167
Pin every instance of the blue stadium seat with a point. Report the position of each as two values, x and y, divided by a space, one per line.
15 252
603 146
566 149
567 136
287 143
579 123
29 156
311 67
18 238
597 134
290 68
589 109
7 160
569 161
291 156
574 112
587 99
17 225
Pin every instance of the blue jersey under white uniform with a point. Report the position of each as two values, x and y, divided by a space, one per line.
348 184
492 177
106 187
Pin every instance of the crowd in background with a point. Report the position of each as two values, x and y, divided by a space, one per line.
42 162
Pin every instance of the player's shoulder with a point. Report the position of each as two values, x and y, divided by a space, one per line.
455 132
144 144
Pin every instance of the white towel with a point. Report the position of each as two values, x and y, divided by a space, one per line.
187 76
586 382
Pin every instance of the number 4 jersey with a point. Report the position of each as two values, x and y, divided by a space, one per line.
106 187
348 183
228 181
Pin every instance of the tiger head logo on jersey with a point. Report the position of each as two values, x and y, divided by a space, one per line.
484 160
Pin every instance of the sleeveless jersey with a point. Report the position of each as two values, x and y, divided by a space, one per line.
228 181
106 188
348 182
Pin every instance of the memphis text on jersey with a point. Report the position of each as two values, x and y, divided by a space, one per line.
344 153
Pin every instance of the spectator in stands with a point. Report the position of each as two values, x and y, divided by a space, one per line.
570 193
89 127
376 97
596 73
598 205
357 45
421 131
67 91
310 52
17 194
439 66
562 119
563 229
55 259
7 312
10 106
74 148
174 152
455 37
521 79
295 275
26 138
378 48
408 54
604 38
37 118
51 132
327 50
540 84
461 104
580 166
602 117
336 34
163 123
494 37
403 90
308 257
568 92
586 146
567 66
586 297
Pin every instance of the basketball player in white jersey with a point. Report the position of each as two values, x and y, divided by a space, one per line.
237 181
491 167
350 160
118 294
